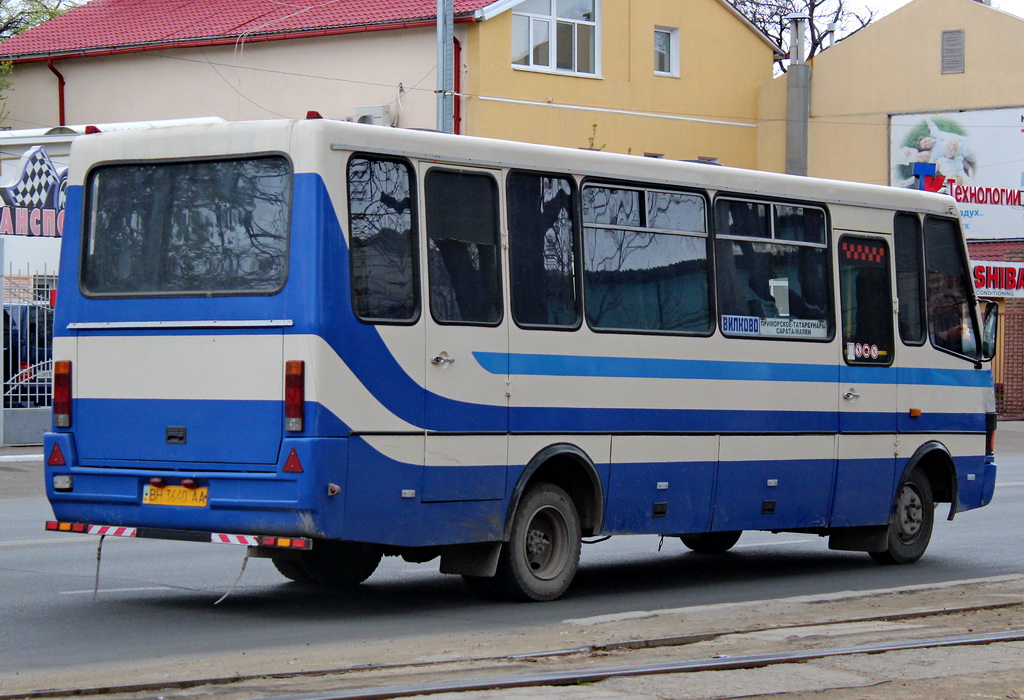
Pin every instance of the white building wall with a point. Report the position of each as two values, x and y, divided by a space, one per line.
249 80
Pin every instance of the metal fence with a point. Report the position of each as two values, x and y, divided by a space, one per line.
28 299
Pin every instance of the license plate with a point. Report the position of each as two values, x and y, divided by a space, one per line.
174 496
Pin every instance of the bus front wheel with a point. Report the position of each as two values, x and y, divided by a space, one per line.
540 560
910 524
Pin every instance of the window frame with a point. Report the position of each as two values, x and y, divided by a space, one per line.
972 295
673 56
87 227
643 188
499 302
921 309
827 246
888 268
553 20
577 249
417 280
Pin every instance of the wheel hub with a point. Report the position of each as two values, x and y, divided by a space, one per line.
909 514
537 546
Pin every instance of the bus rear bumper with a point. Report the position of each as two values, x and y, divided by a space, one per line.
294 499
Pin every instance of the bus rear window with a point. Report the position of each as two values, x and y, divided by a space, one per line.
187 228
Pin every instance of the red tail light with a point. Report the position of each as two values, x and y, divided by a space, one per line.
62 394
294 395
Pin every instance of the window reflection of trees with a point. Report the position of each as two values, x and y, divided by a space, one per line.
541 250
206 227
642 279
383 241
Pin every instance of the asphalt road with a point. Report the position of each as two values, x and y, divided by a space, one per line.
156 598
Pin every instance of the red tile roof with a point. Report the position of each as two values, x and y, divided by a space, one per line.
103 26
995 250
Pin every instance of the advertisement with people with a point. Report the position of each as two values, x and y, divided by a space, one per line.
969 155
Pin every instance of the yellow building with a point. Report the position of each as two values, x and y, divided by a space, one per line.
928 56
631 76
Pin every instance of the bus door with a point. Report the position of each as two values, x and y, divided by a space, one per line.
867 384
466 337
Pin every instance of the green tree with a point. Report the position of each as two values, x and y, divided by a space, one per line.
17 16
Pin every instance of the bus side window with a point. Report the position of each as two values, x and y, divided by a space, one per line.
541 251
866 293
462 234
909 278
382 231
772 268
645 260
950 324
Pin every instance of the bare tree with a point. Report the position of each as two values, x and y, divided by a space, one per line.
772 18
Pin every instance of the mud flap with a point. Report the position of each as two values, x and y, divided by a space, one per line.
471 559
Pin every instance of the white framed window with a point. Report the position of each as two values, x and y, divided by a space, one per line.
556 35
666 51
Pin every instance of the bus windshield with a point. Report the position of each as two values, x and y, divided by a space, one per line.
187 228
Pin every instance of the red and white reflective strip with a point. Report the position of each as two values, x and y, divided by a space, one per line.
112 531
262 540
221 538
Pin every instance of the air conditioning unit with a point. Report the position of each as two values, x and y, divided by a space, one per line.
378 115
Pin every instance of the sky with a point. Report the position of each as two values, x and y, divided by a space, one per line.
884 7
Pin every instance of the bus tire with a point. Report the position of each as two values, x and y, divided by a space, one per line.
292 568
341 564
910 524
540 559
711 542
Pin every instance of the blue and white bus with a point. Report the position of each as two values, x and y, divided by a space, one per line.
332 342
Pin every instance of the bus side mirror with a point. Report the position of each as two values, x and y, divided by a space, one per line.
989 329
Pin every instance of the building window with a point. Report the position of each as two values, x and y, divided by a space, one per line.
953 51
559 35
666 52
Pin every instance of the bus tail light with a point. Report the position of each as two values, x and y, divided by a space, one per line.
62 394
294 395
991 421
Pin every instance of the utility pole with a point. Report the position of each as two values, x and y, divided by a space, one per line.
445 66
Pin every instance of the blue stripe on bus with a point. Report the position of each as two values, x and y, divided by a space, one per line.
658 368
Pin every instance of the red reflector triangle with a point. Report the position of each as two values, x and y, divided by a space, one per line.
292 464
57 457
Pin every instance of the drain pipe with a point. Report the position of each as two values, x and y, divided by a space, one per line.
60 92
798 96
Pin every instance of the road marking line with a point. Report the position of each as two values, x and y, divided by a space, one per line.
121 590
772 544
56 540
20 458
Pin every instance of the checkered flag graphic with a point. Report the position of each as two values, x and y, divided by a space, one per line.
34 189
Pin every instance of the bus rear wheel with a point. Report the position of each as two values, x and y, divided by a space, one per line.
540 560
910 524
340 564
292 568
711 542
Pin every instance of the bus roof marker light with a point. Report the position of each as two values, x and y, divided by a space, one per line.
92 129
313 114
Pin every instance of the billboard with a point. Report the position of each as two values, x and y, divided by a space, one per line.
976 156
